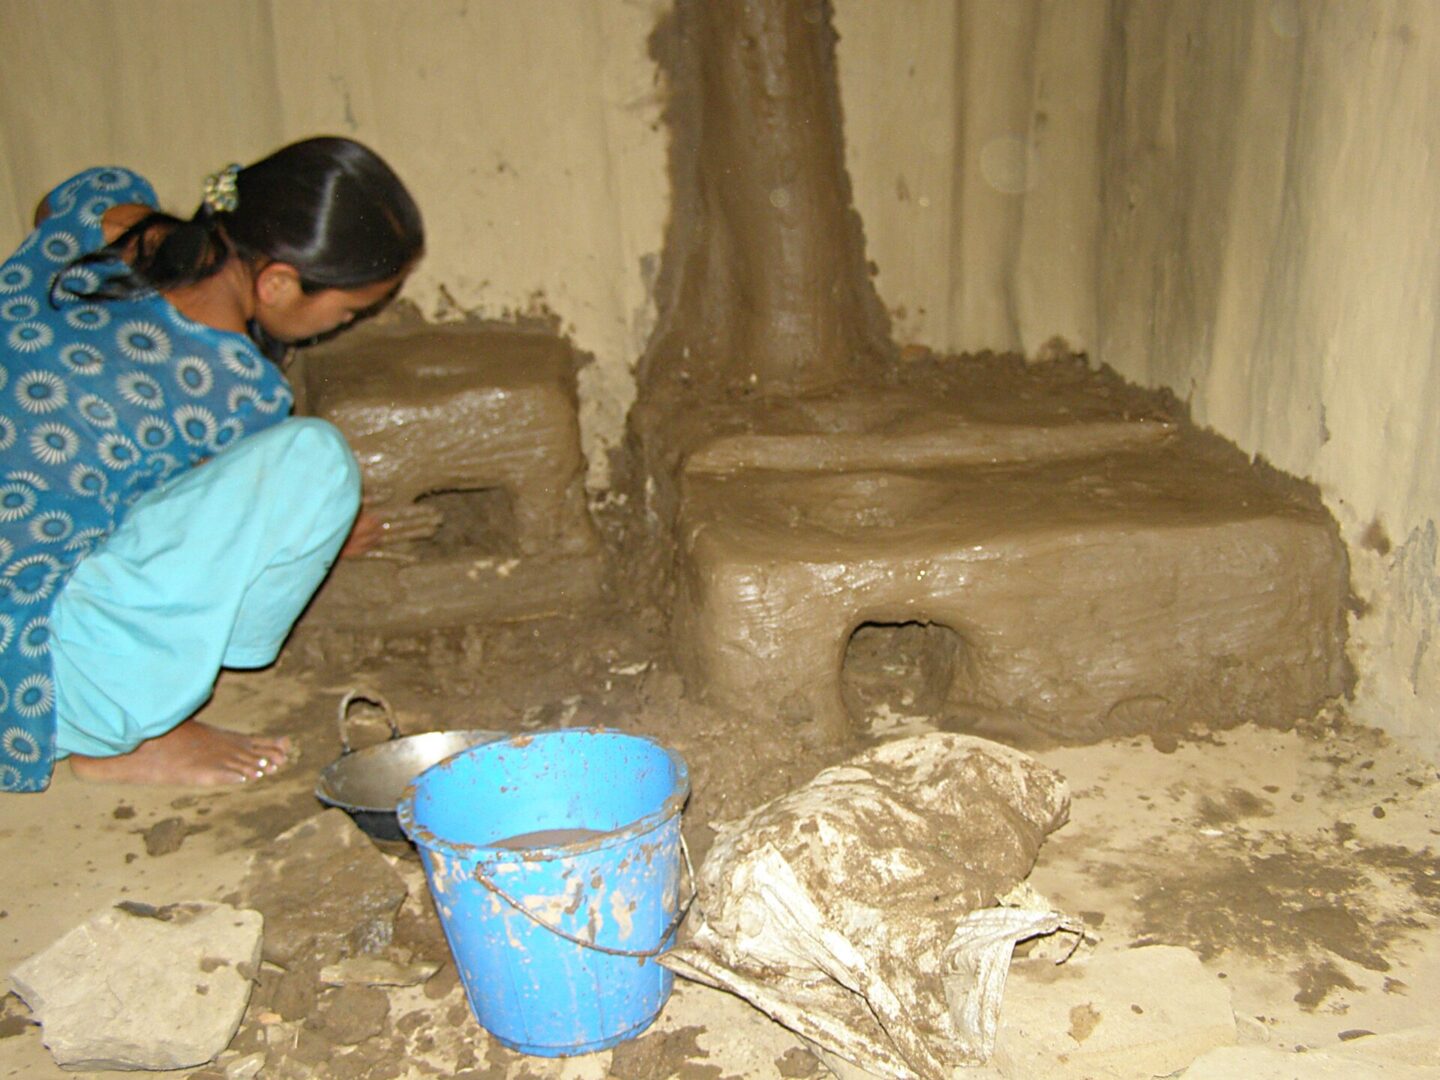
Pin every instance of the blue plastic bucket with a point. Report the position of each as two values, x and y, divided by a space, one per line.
556 935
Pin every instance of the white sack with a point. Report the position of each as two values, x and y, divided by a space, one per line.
859 909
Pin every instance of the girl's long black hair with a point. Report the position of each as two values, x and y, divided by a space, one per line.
328 206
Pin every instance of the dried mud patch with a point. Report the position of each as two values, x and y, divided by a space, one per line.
1284 903
1324 907
1300 865
662 1054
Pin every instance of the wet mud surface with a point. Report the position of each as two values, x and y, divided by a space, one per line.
1300 864
1305 874
1297 857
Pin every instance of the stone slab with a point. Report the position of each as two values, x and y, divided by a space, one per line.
139 987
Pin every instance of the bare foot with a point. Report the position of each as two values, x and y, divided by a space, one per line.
193 754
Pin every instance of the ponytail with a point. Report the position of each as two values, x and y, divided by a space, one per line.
164 251
329 206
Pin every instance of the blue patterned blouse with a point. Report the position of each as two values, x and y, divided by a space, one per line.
100 401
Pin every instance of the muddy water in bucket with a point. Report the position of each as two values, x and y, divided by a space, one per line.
555 863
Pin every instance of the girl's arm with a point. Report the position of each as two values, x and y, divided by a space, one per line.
119 218
116 220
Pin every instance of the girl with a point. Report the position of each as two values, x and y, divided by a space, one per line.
136 347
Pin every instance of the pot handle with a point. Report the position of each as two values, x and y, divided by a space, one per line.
371 696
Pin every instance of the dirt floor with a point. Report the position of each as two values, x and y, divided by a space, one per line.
1299 864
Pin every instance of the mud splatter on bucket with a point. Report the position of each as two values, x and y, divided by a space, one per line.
555 862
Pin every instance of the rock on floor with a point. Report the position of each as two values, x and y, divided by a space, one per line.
140 987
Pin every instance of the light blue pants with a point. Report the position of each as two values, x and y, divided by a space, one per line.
208 571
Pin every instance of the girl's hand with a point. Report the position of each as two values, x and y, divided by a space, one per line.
366 535
374 530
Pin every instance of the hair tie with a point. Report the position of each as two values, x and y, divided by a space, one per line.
221 194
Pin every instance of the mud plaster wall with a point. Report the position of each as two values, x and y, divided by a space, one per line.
1237 201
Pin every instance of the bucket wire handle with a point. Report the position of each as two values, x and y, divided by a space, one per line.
684 910
371 696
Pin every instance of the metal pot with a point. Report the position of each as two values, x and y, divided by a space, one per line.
367 784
